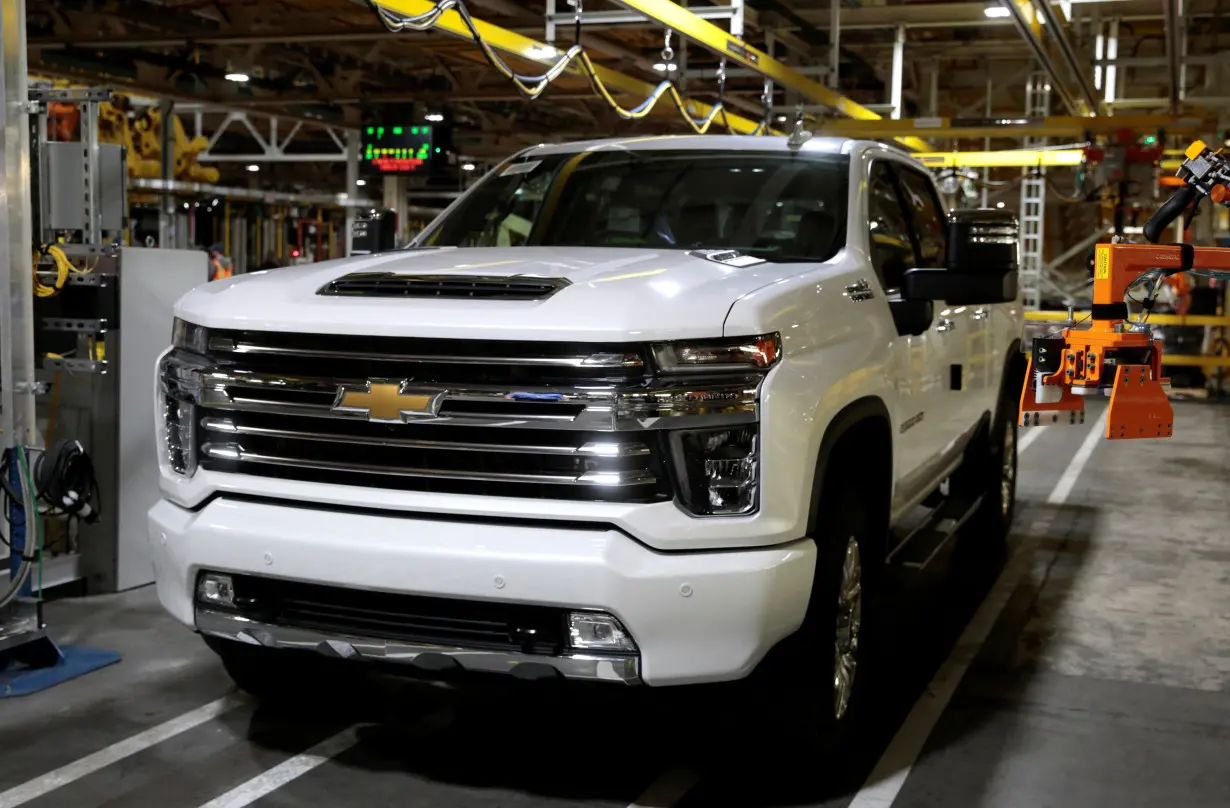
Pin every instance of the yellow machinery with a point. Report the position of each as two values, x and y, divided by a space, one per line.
143 139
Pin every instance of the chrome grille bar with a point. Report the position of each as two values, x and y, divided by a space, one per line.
608 479
589 449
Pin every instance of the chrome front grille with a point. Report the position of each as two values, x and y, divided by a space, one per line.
510 419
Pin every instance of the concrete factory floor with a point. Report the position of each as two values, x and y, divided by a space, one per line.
1092 670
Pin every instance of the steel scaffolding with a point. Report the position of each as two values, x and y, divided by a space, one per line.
1033 197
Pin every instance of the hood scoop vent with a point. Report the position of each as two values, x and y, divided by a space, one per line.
395 284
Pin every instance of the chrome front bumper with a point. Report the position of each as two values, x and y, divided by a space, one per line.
437 658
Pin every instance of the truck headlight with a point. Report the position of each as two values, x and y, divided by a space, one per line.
717 469
189 337
179 379
707 356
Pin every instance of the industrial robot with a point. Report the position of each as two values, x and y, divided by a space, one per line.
1113 355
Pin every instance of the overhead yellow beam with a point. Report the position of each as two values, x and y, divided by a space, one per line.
1008 158
523 47
1194 320
1062 126
703 32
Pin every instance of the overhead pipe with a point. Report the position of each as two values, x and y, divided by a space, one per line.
1174 18
1069 54
1044 58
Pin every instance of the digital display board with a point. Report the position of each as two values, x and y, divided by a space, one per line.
398 149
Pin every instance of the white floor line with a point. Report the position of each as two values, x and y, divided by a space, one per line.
19 795
669 788
890 773
262 784
1030 436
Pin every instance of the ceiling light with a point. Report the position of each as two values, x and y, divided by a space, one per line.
360 182
660 67
467 167
995 11
781 118
999 204
254 167
239 78
434 117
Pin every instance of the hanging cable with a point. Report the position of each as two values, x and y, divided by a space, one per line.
533 86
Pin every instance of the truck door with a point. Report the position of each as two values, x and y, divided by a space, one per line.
918 360
962 330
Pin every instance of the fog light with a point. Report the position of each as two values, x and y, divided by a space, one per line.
595 631
213 589
717 470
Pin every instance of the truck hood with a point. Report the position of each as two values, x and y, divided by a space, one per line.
615 294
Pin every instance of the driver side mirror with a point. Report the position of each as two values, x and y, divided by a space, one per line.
982 263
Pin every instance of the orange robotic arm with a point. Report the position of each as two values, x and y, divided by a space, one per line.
1112 356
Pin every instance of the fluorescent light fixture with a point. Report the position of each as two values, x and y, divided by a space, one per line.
360 182
467 167
238 78
434 117
995 11
254 167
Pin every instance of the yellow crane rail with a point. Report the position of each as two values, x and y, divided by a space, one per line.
684 22
523 47
1008 158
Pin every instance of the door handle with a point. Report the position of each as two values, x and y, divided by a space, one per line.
946 325
980 314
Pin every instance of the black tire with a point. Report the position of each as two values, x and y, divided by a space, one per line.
799 685
269 674
990 471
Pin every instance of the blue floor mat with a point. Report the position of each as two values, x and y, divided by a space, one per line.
78 661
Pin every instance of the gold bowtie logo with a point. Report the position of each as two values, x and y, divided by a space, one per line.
389 401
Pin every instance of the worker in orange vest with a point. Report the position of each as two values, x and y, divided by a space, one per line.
219 264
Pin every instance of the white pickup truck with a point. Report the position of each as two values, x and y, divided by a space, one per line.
648 411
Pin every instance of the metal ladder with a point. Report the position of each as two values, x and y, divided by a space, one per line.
1033 197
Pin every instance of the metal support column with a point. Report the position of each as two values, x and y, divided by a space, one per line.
834 42
898 72
166 207
1033 197
352 185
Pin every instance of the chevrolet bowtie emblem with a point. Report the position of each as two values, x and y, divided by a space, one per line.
392 402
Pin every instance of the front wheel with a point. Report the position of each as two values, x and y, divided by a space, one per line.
817 682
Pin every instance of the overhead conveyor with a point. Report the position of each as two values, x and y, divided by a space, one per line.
445 17
696 29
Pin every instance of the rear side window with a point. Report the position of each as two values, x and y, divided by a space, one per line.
930 223
888 228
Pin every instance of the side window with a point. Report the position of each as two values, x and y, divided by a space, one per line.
892 251
930 223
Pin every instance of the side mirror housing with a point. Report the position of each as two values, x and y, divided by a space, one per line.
982 263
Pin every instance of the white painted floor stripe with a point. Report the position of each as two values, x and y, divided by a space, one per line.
269 781
19 795
889 775
1029 437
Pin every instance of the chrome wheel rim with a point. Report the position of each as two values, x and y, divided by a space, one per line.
1007 479
849 621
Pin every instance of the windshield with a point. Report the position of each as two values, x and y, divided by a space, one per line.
780 207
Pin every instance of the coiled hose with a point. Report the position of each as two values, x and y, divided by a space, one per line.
29 516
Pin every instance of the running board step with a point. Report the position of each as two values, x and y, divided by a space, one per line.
924 544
